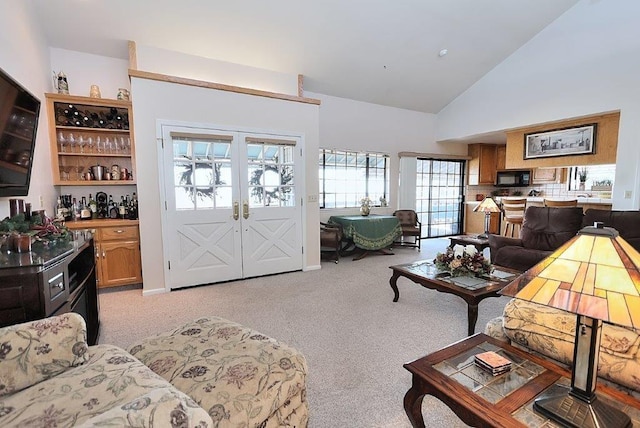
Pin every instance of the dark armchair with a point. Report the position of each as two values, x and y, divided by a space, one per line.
330 240
411 227
543 231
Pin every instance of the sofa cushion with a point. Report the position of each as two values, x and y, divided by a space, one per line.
519 258
37 350
627 223
113 383
547 229
241 377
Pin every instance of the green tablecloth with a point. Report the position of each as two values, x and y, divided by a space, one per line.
373 232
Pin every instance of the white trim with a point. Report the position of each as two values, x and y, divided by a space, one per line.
312 267
153 292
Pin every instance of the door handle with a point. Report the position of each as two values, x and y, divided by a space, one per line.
245 210
236 210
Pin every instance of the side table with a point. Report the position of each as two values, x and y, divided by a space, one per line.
482 400
479 243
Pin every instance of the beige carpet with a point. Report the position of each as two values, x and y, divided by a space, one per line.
341 318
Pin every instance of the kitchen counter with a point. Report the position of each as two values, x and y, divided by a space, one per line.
99 222
539 199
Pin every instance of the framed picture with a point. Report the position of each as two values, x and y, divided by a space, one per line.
579 140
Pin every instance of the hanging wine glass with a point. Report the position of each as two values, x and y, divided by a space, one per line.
99 144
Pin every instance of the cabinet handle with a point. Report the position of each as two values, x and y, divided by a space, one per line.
59 285
103 255
236 210
245 210
119 231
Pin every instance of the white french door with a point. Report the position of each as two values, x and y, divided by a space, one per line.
232 204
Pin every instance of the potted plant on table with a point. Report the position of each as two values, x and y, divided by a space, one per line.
582 176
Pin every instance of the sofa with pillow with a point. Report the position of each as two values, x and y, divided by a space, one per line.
210 373
551 332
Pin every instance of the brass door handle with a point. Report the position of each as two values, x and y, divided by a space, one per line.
236 210
245 210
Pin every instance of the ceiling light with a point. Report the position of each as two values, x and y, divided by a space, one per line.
443 52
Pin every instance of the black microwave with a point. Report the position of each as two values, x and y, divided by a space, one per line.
513 178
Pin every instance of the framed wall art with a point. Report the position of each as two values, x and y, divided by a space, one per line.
578 140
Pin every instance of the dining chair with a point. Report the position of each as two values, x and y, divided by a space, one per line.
330 238
560 203
513 215
411 227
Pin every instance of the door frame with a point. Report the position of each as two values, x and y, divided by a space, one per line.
300 178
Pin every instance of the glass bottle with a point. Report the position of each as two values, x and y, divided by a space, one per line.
93 206
85 211
75 209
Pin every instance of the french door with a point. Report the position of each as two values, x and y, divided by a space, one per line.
440 196
232 204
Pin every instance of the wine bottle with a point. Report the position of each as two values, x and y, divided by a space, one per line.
75 209
93 206
85 211
122 209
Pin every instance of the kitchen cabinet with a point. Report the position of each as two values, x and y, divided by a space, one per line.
117 251
90 131
485 160
548 175
50 281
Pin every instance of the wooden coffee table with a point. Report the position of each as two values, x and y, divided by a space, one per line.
472 290
482 400
475 240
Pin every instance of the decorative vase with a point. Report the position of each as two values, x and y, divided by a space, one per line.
581 185
365 210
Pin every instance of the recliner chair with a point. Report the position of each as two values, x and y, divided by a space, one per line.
544 230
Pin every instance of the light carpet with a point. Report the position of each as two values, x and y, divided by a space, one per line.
341 317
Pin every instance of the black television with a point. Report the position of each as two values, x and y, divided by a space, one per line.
19 111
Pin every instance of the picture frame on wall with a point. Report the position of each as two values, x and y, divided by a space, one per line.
577 140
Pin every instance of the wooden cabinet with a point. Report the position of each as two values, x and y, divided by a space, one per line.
50 282
485 160
89 131
117 251
548 175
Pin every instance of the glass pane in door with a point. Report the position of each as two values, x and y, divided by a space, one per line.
439 196
202 173
270 174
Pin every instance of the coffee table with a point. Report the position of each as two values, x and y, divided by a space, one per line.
482 400
472 290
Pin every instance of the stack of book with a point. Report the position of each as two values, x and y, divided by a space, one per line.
494 363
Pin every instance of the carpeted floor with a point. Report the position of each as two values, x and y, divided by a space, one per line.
341 318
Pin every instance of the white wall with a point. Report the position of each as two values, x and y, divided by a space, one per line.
585 62
354 125
25 57
155 101
84 69
194 67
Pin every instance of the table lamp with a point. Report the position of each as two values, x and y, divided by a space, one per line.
596 276
487 206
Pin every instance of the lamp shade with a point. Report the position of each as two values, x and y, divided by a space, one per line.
595 274
488 205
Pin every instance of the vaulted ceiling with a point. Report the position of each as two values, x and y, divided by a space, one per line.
379 51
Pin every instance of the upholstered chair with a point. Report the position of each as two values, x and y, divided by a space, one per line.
411 228
330 240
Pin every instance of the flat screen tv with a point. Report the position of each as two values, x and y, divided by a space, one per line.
19 111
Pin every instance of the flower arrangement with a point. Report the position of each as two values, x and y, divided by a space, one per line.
463 260
365 206
41 229
582 174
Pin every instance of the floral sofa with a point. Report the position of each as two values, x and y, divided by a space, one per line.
212 373
551 332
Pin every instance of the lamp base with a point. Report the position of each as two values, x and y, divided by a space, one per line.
560 405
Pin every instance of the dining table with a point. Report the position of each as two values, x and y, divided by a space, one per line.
370 234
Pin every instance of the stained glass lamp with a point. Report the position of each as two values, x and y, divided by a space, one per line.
487 206
596 276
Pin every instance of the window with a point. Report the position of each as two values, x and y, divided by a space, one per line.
347 177
598 177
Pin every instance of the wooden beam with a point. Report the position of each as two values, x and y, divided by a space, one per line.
133 56
219 86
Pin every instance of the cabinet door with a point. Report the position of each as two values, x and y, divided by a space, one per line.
119 263
488 164
501 155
